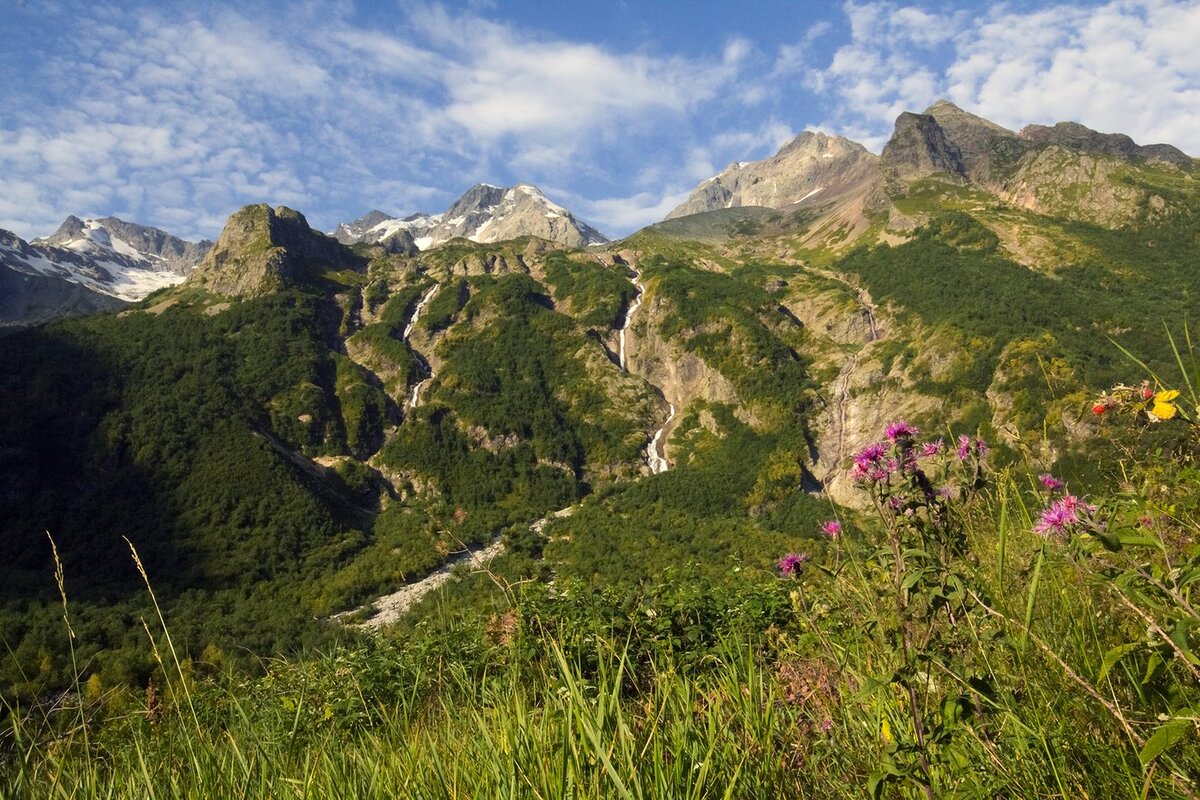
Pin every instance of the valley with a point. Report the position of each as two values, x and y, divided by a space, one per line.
488 457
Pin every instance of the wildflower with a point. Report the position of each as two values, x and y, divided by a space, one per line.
1164 405
934 448
1054 520
1100 408
868 464
1050 482
900 430
832 528
966 445
792 563
1062 515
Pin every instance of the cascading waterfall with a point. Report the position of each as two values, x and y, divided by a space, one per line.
656 459
655 456
629 312
414 394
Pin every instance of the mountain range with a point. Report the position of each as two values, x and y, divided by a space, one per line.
298 423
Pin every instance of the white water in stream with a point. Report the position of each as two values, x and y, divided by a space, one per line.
629 312
414 395
655 455
656 459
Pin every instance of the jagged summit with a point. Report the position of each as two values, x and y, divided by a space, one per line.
90 264
1074 136
484 213
263 249
813 166
160 251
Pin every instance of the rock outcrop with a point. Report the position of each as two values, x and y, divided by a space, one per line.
263 249
811 167
485 214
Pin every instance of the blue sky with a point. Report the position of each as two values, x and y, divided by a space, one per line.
175 114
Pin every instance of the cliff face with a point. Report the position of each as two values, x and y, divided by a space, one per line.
811 167
263 249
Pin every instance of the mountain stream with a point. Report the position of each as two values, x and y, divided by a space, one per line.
655 454
414 395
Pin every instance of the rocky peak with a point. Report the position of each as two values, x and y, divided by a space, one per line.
263 249
485 213
351 232
479 199
987 151
114 238
71 229
812 166
1074 136
919 147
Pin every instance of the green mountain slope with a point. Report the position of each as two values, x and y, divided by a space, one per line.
303 427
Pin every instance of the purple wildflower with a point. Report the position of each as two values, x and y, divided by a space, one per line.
792 563
934 448
1054 520
867 463
832 528
1062 515
900 430
1050 482
967 445
964 447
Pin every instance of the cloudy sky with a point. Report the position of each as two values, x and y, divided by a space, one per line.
175 114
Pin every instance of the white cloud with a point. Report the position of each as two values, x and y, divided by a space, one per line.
161 110
633 212
1127 66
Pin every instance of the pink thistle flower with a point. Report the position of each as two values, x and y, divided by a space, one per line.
1050 482
867 464
832 528
930 449
1054 521
792 563
1061 516
964 447
900 430
967 445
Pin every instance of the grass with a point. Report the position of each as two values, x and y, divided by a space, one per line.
769 688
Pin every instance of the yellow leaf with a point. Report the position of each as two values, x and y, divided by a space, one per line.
1166 397
887 731
1163 410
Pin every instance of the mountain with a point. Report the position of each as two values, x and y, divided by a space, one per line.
1062 170
307 424
264 249
87 264
483 214
811 167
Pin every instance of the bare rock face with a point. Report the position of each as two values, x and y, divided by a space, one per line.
987 152
159 250
813 166
919 147
1074 136
484 214
263 249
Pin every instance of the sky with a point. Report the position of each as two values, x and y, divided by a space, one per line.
176 114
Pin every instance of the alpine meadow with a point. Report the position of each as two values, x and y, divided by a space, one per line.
856 475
